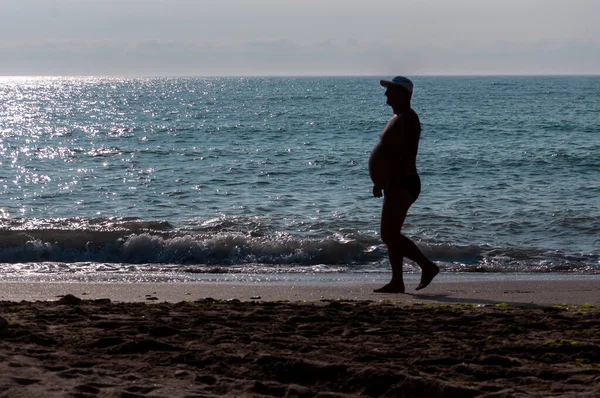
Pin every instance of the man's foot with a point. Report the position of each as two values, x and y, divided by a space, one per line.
391 288
427 276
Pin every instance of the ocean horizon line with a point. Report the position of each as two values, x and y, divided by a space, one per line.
167 75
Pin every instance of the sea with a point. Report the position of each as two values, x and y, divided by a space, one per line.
254 178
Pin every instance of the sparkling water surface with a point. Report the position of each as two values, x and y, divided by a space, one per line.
267 175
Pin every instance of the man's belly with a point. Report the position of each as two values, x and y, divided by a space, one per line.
378 168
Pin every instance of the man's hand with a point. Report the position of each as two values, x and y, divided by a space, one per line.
377 191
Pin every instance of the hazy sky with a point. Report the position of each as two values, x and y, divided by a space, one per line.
299 37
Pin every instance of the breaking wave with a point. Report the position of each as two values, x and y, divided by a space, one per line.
121 243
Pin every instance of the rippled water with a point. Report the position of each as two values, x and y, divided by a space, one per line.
270 174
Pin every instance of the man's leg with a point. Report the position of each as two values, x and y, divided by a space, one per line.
428 268
393 213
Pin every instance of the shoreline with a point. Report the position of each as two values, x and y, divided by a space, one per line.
488 289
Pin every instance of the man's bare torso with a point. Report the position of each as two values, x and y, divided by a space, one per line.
395 155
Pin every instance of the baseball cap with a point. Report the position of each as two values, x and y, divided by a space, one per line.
398 81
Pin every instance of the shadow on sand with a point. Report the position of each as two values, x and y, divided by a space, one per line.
447 299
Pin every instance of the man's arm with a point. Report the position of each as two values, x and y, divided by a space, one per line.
377 191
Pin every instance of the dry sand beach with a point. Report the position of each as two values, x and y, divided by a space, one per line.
469 339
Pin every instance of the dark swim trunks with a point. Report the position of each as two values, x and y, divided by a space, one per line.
411 184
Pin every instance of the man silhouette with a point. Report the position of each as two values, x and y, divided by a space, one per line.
393 170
